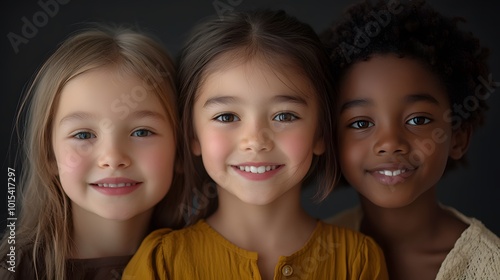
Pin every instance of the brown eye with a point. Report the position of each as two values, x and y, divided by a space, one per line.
227 118
285 117
418 121
361 124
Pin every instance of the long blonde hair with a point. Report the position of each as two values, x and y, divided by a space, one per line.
45 220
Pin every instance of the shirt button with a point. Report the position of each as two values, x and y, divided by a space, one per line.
287 270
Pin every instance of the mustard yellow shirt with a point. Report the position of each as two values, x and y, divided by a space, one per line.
199 252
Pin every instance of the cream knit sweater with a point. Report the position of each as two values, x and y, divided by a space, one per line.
476 254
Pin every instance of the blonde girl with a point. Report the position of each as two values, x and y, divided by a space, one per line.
100 152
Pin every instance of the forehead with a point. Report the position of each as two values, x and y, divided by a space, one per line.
390 76
259 70
107 91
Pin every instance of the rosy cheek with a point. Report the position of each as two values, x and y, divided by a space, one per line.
160 159
71 160
298 145
215 145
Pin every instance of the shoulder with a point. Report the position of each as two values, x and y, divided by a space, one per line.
352 249
476 234
475 254
147 262
479 241
161 248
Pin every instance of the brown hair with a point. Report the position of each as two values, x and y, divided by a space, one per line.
277 37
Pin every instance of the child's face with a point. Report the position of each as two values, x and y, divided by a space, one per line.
394 135
113 144
256 131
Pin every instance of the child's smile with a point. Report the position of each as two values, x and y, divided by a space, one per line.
394 136
391 173
256 130
113 161
257 171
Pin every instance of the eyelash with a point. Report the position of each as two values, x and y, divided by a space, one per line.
223 118
149 132
356 124
288 114
362 124
278 117
78 135
426 120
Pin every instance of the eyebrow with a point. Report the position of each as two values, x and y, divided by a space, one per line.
146 114
413 98
421 97
225 100
80 116
77 116
356 103
220 100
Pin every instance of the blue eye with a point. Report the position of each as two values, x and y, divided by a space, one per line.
142 133
361 124
285 117
227 118
418 121
83 135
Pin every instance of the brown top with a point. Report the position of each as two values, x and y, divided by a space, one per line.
109 268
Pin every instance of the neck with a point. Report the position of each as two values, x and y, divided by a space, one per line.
97 237
252 227
412 223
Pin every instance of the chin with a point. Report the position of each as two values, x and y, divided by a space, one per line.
391 202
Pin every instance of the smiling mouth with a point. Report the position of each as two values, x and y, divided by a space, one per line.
257 169
119 185
392 173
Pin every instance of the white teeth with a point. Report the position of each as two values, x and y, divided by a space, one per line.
116 185
257 170
392 173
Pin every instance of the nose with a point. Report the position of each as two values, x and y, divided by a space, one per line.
113 155
257 137
390 141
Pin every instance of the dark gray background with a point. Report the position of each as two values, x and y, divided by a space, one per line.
474 190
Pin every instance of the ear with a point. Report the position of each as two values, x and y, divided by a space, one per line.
196 147
460 140
319 146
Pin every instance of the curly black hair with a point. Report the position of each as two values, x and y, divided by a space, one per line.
416 30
